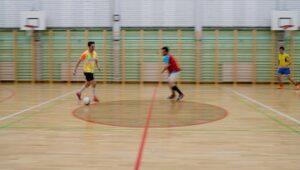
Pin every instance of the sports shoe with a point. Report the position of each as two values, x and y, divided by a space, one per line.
96 99
180 97
280 87
172 96
78 94
298 87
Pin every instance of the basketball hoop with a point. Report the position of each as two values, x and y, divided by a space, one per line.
31 30
286 29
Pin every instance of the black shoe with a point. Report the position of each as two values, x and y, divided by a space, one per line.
172 96
180 97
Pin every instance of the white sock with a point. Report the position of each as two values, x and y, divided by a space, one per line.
82 89
94 91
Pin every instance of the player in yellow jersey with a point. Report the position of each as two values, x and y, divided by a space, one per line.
90 60
284 68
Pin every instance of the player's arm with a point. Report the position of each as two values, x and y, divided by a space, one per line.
166 64
164 68
77 64
289 61
97 64
82 57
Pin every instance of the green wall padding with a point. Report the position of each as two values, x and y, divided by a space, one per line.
182 45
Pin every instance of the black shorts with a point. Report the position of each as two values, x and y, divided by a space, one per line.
89 76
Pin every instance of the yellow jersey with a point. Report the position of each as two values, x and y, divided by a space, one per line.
283 60
89 61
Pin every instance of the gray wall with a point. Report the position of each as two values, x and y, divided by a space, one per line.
151 13
157 13
252 13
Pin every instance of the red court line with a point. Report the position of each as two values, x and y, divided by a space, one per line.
145 132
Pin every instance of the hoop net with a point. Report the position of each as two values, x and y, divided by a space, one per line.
31 31
287 30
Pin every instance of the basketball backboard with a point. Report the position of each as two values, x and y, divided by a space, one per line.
33 18
282 18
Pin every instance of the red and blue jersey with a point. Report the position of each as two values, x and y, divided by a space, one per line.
171 62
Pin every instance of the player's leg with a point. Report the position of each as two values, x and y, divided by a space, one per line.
94 90
93 83
173 79
86 85
287 72
171 84
294 82
279 78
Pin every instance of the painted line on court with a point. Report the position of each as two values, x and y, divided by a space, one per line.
35 106
12 93
266 107
264 113
145 132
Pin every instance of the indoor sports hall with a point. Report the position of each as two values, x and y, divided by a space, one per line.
149 85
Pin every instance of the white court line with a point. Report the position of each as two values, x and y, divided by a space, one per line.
35 106
266 106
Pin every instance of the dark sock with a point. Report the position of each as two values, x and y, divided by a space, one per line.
175 88
172 90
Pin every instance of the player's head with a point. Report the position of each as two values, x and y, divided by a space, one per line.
91 45
281 49
165 51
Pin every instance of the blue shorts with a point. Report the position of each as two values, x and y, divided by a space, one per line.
284 71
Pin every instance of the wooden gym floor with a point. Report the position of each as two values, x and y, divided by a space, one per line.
215 127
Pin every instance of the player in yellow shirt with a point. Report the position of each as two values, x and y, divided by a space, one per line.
284 68
90 60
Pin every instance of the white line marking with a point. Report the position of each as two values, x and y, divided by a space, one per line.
266 106
35 106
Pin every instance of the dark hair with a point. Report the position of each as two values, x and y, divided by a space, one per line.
166 49
90 43
281 48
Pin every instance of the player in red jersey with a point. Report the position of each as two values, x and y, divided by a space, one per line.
173 69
